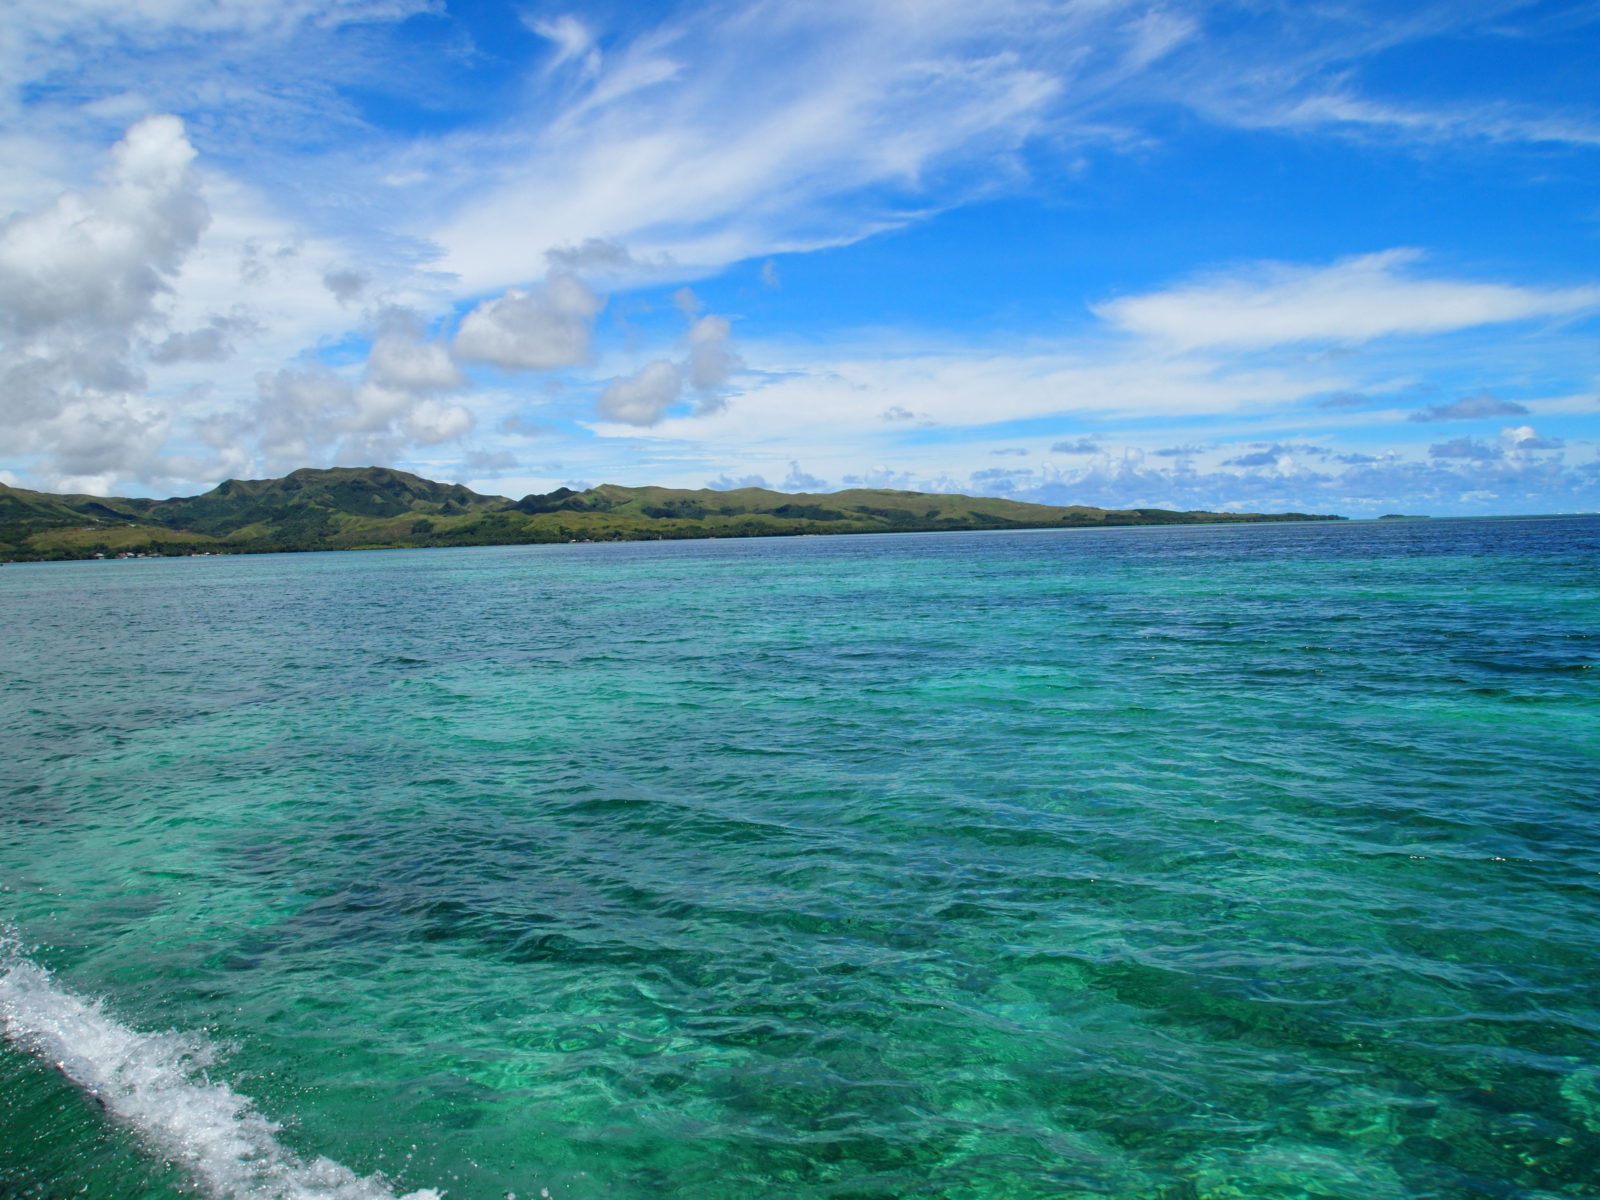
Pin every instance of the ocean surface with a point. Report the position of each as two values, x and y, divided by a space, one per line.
1245 863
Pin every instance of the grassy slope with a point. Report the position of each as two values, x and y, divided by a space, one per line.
350 507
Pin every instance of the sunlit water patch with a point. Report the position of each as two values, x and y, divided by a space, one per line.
1188 864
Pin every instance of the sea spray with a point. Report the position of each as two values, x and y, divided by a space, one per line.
157 1084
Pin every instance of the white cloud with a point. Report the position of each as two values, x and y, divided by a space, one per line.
314 416
401 358
1353 300
429 421
1156 34
1305 72
41 20
597 257
535 330
260 72
711 361
212 343
810 397
1525 437
798 480
345 284
100 259
1472 478
297 414
82 280
700 142
723 483
572 39
642 398
1495 123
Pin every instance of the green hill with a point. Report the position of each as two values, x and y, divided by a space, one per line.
346 508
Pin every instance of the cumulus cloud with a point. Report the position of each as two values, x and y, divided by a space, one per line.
429 421
800 481
711 360
111 439
82 278
211 343
92 264
642 398
535 330
1523 437
725 483
401 358
313 415
1469 408
346 285
603 257
399 402
1352 300
880 476
296 413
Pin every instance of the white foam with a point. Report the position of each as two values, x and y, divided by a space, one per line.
156 1083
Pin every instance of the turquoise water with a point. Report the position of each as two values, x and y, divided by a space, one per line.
1171 864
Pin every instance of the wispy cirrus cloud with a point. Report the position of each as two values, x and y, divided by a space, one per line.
656 152
1309 74
1491 123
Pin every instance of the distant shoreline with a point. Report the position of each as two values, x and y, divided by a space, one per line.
371 508
225 551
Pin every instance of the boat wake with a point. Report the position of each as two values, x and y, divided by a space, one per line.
156 1083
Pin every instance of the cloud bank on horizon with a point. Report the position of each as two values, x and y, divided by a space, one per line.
1190 254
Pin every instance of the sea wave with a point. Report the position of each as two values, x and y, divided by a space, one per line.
156 1083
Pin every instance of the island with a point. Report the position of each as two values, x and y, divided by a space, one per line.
362 508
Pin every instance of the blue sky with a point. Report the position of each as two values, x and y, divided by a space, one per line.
1338 257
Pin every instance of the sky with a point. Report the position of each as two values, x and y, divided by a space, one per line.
1339 256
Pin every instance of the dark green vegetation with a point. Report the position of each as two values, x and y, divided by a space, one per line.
352 508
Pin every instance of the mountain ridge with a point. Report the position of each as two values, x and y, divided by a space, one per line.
346 508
